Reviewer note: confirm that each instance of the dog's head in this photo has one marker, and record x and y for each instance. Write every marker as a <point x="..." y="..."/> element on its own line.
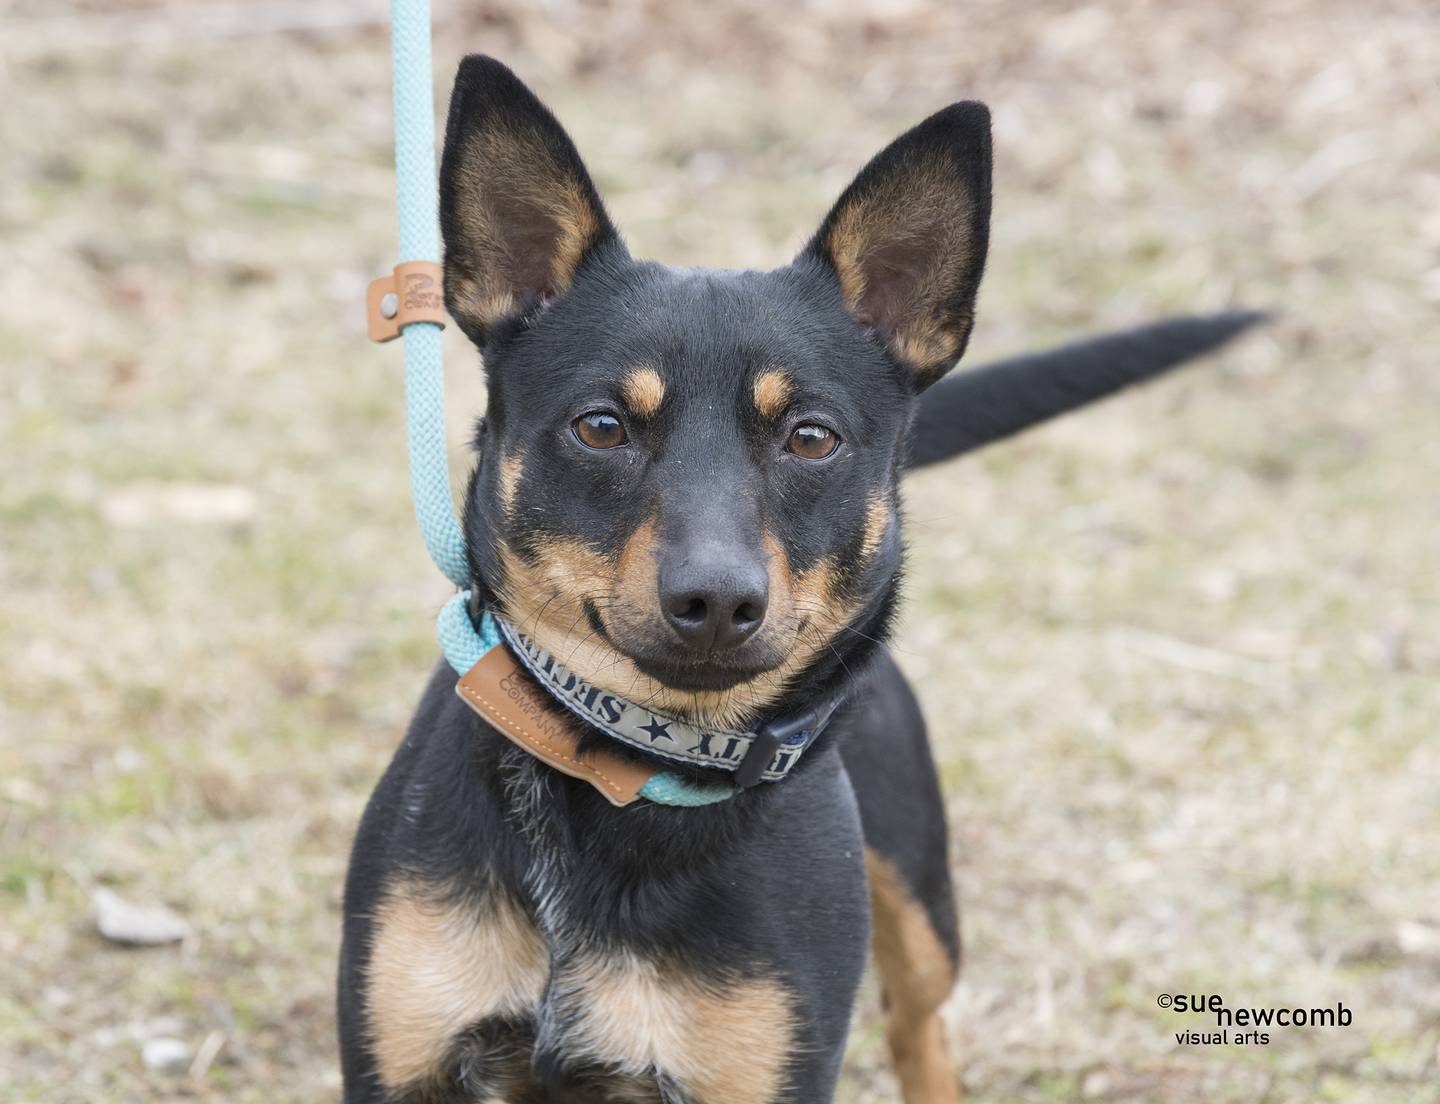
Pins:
<point x="687" y="486"/>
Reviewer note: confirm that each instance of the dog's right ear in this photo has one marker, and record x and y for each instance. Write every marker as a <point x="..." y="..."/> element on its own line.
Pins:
<point x="907" y="240"/>
<point x="518" y="212"/>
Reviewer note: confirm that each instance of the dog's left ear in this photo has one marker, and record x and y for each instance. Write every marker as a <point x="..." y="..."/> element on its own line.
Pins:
<point x="518" y="212"/>
<point x="907" y="239"/>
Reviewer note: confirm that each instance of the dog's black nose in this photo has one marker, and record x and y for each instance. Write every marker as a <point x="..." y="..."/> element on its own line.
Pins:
<point x="713" y="604"/>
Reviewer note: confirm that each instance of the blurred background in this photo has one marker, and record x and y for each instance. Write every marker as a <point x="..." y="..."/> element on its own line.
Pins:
<point x="1180" y="654"/>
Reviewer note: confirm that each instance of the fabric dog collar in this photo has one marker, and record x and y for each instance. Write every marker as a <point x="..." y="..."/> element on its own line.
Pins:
<point x="517" y="690"/>
<point x="765" y="754"/>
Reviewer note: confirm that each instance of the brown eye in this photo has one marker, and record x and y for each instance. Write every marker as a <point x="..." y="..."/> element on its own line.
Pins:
<point x="599" y="430"/>
<point x="812" y="442"/>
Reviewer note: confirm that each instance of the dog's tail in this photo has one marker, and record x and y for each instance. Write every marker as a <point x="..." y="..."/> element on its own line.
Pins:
<point x="975" y="408"/>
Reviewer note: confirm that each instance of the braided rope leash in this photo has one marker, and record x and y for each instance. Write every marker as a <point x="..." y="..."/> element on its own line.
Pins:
<point x="409" y="304"/>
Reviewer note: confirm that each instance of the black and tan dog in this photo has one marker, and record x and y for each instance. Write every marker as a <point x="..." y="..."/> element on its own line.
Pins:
<point x="687" y="494"/>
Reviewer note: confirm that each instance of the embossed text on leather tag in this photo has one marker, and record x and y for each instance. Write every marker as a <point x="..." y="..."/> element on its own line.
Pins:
<point x="499" y="690"/>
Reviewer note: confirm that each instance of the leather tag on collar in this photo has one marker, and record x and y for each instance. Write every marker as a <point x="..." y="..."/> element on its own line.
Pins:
<point x="499" y="690"/>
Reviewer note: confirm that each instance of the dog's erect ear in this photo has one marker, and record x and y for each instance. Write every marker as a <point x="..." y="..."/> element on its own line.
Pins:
<point x="517" y="209"/>
<point x="907" y="239"/>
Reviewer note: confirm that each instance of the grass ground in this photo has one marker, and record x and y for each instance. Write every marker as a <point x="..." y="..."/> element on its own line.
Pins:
<point x="1181" y="654"/>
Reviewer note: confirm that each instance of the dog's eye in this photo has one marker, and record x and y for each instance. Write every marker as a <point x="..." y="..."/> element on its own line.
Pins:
<point x="812" y="442"/>
<point x="599" y="430"/>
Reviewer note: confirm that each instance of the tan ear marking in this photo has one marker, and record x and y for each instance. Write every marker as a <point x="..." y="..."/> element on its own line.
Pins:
<point x="907" y="242"/>
<point x="771" y="391"/>
<point x="895" y="219"/>
<point x="643" y="391"/>
<point x="507" y="184"/>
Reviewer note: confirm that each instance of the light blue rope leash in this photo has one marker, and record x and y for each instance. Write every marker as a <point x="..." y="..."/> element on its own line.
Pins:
<point x="418" y="202"/>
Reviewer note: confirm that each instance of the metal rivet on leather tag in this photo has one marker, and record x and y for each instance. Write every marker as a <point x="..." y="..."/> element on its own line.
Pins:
<point x="390" y="305"/>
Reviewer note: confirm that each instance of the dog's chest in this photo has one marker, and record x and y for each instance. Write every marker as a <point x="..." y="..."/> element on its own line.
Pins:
<point x="472" y="993"/>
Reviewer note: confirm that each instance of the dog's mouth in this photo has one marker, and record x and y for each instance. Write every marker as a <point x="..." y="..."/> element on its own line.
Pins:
<point x="679" y="669"/>
<point x="612" y="645"/>
<point x="698" y="676"/>
<point x="629" y="649"/>
<point x="698" y="672"/>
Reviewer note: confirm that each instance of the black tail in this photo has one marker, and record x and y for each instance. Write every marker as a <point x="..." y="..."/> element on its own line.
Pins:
<point x="976" y="408"/>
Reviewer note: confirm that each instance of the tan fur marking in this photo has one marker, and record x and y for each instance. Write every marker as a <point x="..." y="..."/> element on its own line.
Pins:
<point x="637" y="571"/>
<point x="578" y="228"/>
<point x="820" y="611"/>
<point x="545" y="598"/>
<point x="920" y="206"/>
<point x="771" y="391"/>
<point x="917" y="976"/>
<point x="509" y="481"/>
<point x="932" y="345"/>
<point x="643" y="391"/>
<point x="724" y="1043"/>
<point x="437" y="966"/>
<point x="877" y="525"/>
<point x="505" y="173"/>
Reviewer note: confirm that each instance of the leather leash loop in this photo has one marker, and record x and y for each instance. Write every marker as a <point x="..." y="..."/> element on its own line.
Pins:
<point x="409" y="294"/>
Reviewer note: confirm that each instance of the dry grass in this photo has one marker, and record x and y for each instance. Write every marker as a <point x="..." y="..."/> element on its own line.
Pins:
<point x="1181" y="655"/>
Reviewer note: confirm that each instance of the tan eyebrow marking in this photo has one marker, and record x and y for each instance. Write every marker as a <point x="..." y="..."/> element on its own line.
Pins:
<point x="771" y="391"/>
<point x="643" y="391"/>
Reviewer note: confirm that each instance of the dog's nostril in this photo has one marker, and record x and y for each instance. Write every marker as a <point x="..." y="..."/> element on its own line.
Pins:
<point x="746" y="615"/>
<point x="694" y="612"/>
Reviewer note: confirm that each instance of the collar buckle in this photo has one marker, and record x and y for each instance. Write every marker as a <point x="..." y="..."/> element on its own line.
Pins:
<point x="769" y="738"/>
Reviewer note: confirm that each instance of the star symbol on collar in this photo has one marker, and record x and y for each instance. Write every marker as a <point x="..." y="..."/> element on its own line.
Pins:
<point x="655" y="730"/>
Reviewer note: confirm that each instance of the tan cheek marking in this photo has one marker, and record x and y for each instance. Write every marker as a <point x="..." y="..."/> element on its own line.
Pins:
<point x="509" y="481"/>
<point x="637" y="573"/>
<point x="436" y="967"/>
<point x="640" y="1016"/>
<point x="771" y="391"/>
<point x="544" y="597"/>
<point x="917" y="975"/>
<point x="809" y="597"/>
<point x="877" y="524"/>
<point x="549" y="590"/>
<point x="814" y="596"/>
<point x="643" y="391"/>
